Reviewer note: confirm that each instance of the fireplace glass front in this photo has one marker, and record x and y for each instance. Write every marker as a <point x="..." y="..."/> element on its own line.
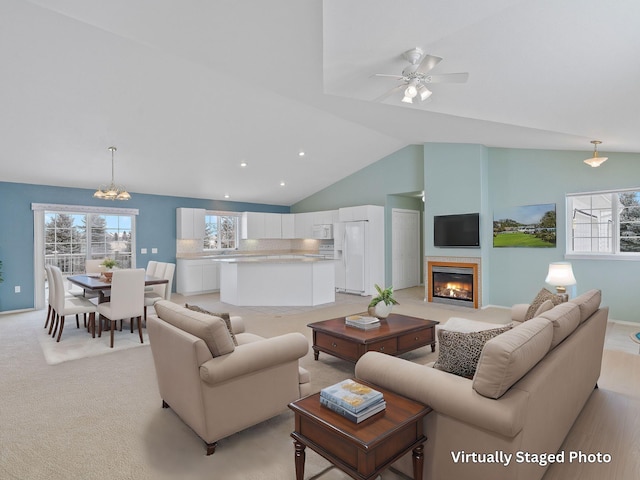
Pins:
<point x="453" y="286"/>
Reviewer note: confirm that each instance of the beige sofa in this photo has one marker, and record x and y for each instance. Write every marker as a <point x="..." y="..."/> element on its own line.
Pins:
<point x="216" y="387"/>
<point x="530" y="385"/>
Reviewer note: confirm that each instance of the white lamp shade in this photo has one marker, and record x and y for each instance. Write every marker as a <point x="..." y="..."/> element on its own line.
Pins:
<point x="560" y="274"/>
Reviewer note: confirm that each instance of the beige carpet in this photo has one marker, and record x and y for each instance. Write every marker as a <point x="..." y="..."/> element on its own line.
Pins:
<point x="76" y="343"/>
<point x="100" y="417"/>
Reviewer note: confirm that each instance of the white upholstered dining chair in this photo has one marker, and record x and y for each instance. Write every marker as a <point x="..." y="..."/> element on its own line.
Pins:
<point x="162" y="291"/>
<point x="64" y="305"/>
<point x="127" y="299"/>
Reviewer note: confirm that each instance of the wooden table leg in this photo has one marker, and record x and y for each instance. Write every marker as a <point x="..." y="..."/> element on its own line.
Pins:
<point x="299" y="459"/>
<point x="418" y="462"/>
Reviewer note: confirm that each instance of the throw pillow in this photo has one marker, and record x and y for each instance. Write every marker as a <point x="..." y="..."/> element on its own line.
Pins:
<point x="543" y="296"/>
<point x="223" y="316"/>
<point x="459" y="351"/>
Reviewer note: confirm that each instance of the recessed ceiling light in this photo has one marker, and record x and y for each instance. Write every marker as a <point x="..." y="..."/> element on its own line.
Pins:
<point x="301" y="153"/>
<point x="243" y="164"/>
<point x="282" y="184"/>
<point x="226" y="195"/>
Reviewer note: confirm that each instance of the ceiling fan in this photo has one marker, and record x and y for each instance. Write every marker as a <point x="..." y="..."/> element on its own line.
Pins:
<point x="415" y="77"/>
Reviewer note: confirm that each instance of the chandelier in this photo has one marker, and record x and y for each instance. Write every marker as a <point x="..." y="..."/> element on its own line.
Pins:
<point x="596" y="160"/>
<point x="112" y="191"/>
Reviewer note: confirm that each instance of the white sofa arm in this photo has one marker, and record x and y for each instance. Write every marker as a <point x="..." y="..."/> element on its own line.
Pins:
<point x="237" y="324"/>
<point x="519" y="311"/>
<point x="447" y="394"/>
<point x="255" y="356"/>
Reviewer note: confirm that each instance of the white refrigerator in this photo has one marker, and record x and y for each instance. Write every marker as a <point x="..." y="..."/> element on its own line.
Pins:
<point x="351" y="253"/>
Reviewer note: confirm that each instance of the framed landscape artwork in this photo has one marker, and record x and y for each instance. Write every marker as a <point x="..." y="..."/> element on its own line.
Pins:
<point x="531" y="226"/>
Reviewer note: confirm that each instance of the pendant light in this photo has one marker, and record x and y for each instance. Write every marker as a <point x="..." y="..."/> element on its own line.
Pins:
<point x="112" y="191"/>
<point x="595" y="161"/>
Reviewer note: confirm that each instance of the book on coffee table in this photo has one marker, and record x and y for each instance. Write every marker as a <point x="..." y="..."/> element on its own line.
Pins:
<point x="351" y="395"/>
<point x="370" y="411"/>
<point x="364" y="323"/>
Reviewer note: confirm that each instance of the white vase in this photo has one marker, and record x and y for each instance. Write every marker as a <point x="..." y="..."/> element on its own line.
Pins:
<point x="382" y="310"/>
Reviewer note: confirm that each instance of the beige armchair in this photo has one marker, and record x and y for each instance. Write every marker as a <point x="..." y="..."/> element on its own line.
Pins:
<point x="216" y="387"/>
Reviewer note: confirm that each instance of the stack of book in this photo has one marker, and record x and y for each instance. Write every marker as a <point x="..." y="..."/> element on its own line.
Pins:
<point x="364" y="323"/>
<point x="352" y="400"/>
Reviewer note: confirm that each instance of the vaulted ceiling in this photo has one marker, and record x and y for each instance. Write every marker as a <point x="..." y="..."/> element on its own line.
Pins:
<point x="189" y="89"/>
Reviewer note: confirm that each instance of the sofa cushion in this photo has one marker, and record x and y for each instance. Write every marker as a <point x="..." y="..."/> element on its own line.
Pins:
<point x="459" y="351"/>
<point x="224" y="316"/>
<point x="588" y="303"/>
<point x="212" y="330"/>
<point x="564" y="318"/>
<point x="507" y="358"/>
<point x="543" y="296"/>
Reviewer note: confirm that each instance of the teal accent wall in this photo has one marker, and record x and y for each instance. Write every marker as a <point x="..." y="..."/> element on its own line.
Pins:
<point x="455" y="182"/>
<point x="155" y="228"/>
<point x="400" y="172"/>
<point x="461" y="178"/>
<point x="526" y="177"/>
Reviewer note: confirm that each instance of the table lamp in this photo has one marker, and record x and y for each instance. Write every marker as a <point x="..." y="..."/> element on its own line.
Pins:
<point x="561" y="276"/>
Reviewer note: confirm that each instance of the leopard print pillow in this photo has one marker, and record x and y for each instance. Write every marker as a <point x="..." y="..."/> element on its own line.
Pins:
<point x="543" y="295"/>
<point x="459" y="352"/>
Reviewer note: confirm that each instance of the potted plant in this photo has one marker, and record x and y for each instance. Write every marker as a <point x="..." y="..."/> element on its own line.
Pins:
<point x="108" y="264"/>
<point x="381" y="305"/>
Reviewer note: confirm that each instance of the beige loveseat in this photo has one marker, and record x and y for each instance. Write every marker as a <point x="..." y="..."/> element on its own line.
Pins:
<point x="530" y="385"/>
<point x="214" y="386"/>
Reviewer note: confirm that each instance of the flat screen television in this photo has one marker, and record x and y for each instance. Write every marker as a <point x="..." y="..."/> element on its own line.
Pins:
<point x="461" y="230"/>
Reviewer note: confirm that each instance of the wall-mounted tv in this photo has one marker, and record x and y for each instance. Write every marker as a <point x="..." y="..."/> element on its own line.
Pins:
<point x="461" y="230"/>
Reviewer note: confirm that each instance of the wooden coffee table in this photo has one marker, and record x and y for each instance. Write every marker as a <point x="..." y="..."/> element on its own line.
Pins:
<point x="396" y="335"/>
<point x="361" y="450"/>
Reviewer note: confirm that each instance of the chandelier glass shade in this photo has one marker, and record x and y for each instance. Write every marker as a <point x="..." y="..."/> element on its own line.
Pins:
<point x="112" y="191"/>
<point x="596" y="160"/>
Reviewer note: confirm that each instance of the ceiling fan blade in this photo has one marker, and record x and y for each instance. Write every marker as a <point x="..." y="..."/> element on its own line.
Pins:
<point x="389" y="93"/>
<point x="447" y="78"/>
<point x="398" y="77"/>
<point x="427" y="63"/>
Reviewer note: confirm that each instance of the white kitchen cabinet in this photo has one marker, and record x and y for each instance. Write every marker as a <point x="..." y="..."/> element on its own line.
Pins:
<point x="256" y="225"/>
<point x="253" y="225"/>
<point x="190" y="223"/>
<point x="304" y="224"/>
<point x="360" y="212"/>
<point x="326" y="217"/>
<point x="288" y="225"/>
<point x="272" y="225"/>
<point x="197" y="276"/>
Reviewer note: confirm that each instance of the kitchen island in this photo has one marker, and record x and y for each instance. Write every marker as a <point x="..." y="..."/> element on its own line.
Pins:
<point x="277" y="281"/>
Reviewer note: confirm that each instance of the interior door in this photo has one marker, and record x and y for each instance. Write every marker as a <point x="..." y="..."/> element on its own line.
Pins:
<point x="406" y="248"/>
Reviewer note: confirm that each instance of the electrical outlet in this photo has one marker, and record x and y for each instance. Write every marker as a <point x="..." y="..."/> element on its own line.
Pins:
<point x="154" y="250"/>
<point x="143" y="251"/>
<point x="17" y="289"/>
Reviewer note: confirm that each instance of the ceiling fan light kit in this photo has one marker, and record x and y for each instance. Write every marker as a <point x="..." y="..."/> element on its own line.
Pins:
<point x="415" y="76"/>
<point x="596" y="160"/>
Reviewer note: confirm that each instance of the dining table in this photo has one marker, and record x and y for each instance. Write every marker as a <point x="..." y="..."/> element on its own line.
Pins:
<point x="99" y="284"/>
<point x="95" y="282"/>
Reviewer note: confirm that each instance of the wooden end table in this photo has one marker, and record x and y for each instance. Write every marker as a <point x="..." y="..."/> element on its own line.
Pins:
<point x="361" y="450"/>
<point x="397" y="334"/>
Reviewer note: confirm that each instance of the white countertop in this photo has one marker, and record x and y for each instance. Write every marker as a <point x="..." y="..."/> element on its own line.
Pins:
<point x="273" y="259"/>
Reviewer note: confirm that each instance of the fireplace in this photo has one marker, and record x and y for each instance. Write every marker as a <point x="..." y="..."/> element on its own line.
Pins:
<point x="453" y="283"/>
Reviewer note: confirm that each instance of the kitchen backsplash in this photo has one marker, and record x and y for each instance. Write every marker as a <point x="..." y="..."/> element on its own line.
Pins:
<point x="195" y="247"/>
